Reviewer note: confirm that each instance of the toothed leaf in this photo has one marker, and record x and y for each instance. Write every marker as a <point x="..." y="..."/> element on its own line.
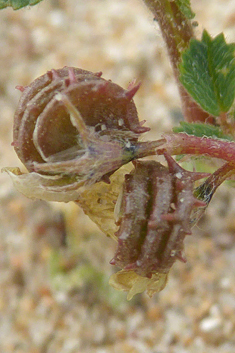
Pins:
<point x="17" y="4"/>
<point x="207" y="71"/>
<point x="185" y="8"/>
<point x="201" y="130"/>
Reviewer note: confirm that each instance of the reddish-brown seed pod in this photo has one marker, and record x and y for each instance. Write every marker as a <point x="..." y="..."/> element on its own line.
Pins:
<point x="74" y="128"/>
<point x="42" y="125"/>
<point x="155" y="217"/>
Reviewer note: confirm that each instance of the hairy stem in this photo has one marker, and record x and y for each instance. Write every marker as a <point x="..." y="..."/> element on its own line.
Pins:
<point x="182" y="143"/>
<point x="177" y="31"/>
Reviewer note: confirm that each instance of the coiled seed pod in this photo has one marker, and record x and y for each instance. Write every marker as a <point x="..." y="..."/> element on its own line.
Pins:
<point x="155" y="217"/>
<point x="74" y="128"/>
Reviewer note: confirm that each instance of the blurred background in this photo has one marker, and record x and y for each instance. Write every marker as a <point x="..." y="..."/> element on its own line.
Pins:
<point x="54" y="262"/>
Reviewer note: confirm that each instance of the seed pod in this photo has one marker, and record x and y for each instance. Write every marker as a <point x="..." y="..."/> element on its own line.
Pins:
<point x="74" y="128"/>
<point x="155" y="217"/>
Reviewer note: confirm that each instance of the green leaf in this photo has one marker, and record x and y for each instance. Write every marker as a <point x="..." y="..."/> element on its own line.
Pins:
<point x="17" y="4"/>
<point x="201" y="130"/>
<point x="207" y="71"/>
<point x="185" y="8"/>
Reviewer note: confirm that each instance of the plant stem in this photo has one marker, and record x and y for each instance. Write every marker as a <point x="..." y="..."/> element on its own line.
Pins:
<point x="182" y="143"/>
<point x="177" y="31"/>
<point x="207" y="189"/>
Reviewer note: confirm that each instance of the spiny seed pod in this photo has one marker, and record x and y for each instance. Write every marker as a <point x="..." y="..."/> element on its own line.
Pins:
<point x="155" y="217"/>
<point x="74" y="128"/>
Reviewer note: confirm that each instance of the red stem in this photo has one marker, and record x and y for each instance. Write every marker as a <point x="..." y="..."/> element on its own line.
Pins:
<point x="217" y="178"/>
<point x="182" y="143"/>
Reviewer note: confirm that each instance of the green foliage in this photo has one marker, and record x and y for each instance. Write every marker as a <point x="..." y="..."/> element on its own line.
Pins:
<point x="201" y="130"/>
<point x="207" y="72"/>
<point x="17" y="4"/>
<point x="185" y="8"/>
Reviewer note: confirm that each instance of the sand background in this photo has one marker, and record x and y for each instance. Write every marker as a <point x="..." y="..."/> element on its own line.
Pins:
<point x="56" y="298"/>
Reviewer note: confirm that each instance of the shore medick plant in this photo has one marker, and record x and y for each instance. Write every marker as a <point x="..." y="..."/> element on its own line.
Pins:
<point x="78" y="135"/>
